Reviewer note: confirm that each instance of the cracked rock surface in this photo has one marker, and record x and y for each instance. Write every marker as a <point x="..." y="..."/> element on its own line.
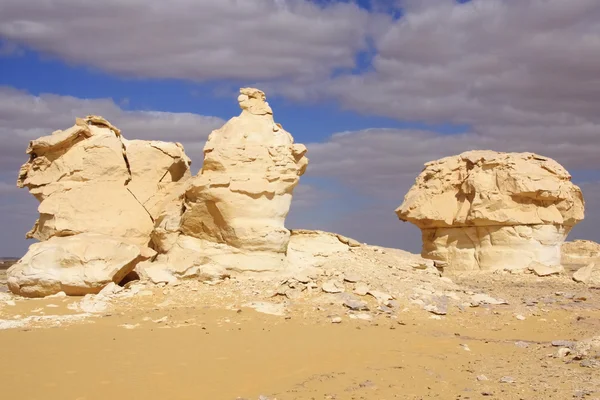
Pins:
<point x="90" y="180"/>
<point x="485" y="210"/>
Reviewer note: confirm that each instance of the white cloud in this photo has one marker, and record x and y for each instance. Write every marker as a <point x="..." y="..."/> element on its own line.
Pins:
<point x="195" y="39"/>
<point x="24" y="117"/>
<point x="485" y="62"/>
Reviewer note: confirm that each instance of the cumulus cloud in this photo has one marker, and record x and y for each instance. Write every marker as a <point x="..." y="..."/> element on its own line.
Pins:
<point x="485" y="62"/>
<point x="193" y="39"/>
<point x="24" y="117"/>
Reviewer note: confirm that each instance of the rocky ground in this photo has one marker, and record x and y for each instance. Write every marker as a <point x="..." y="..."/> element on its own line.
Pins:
<point x="378" y="329"/>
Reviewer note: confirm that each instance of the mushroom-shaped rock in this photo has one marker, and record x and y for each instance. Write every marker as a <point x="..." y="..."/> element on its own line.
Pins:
<point x="484" y="210"/>
<point x="232" y="213"/>
<point x="91" y="180"/>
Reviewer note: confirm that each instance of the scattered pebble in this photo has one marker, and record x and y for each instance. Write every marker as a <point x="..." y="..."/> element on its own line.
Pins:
<point x="332" y="286"/>
<point x="507" y="379"/>
<point x="563" y="352"/>
<point x="361" y="289"/>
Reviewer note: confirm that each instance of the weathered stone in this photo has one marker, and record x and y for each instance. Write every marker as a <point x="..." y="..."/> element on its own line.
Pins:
<point x="232" y="213"/>
<point x="484" y="210"/>
<point x="76" y="265"/>
<point x="590" y="275"/>
<point x="90" y="180"/>
<point x="545" y="270"/>
<point x="333" y="286"/>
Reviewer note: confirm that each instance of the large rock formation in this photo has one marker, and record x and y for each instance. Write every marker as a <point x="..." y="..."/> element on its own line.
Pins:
<point x="76" y="265"/>
<point x="231" y="216"/>
<point x="483" y="210"/>
<point x="90" y="180"/>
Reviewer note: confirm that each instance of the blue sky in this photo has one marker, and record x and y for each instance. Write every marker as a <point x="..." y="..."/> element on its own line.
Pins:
<point x="407" y="81"/>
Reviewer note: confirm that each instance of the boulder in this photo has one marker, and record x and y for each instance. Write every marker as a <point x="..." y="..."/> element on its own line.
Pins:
<point x="484" y="210"/>
<point x="77" y="265"/>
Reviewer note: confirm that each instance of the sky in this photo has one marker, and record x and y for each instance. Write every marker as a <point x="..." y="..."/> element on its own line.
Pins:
<point x="373" y="88"/>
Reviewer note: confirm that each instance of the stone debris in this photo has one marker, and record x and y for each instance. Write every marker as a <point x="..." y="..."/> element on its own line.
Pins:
<point x="439" y="305"/>
<point x="590" y="275"/>
<point x="267" y="308"/>
<point x="480" y="299"/>
<point x="545" y="270"/>
<point x="563" y="352"/>
<point x="563" y="343"/>
<point x="507" y="379"/>
<point x="355" y="304"/>
<point x="361" y="289"/>
<point x="361" y="316"/>
<point x="336" y="320"/>
<point x="351" y="278"/>
<point x="333" y="286"/>
<point x="381" y="297"/>
<point x="484" y="210"/>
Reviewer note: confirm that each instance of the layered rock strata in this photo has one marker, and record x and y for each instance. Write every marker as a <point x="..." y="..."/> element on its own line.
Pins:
<point x="484" y="210"/>
<point x="231" y="215"/>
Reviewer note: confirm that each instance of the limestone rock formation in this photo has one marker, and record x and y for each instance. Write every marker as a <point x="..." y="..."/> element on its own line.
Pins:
<point x="580" y="252"/>
<point x="76" y="265"/>
<point x="232" y="213"/>
<point x="484" y="210"/>
<point x="90" y="180"/>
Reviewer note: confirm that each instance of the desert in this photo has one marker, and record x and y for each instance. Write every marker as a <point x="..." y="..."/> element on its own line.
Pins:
<point x="300" y="199"/>
<point x="154" y="282"/>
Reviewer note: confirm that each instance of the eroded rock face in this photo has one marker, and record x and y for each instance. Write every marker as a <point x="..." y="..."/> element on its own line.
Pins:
<point x="484" y="210"/>
<point x="232" y="213"/>
<point x="76" y="265"/>
<point x="90" y="180"/>
<point x="580" y="252"/>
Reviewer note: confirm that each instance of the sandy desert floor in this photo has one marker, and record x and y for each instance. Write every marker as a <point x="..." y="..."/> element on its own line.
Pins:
<point x="198" y="341"/>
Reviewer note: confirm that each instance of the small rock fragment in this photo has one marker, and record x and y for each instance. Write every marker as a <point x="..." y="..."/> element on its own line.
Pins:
<point x="563" y="352"/>
<point x="589" y="274"/>
<point x="507" y="379"/>
<point x="382" y="298"/>
<point x="336" y="320"/>
<point x="361" y="289"/>
<point x="563" y="343"/>
<point x="355" y="305"/>
<point x="545" y="270"/>
<point x="332" y="286"/>
<point x="351" y="278"/>
<point x="479" y="299"/>
<point x="481" y="378"/>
